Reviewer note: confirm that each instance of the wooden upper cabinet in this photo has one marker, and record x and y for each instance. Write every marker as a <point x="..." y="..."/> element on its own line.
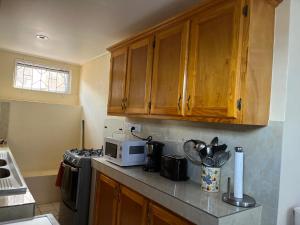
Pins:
<point x="132" y="209"/>
<point x="139" y="71"/>
<point x="212" y="63"/>
<point x="169" y="66"/>
<point x="161" y="216"/>
<point x="212" y="84"/>
<point x="106" y="200"/>
<point x="118" y="66"/>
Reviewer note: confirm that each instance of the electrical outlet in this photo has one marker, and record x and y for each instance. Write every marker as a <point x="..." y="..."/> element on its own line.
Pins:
<point x="137" y="127"/>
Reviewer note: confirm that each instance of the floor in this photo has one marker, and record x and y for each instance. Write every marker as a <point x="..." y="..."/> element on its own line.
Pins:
<point x="52" y="208"/>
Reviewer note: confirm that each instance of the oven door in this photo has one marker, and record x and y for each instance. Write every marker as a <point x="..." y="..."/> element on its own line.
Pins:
<point x="69" y="186"/>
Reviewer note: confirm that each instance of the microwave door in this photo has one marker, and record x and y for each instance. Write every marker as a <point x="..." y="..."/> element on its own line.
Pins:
<point x="111" y="149"/>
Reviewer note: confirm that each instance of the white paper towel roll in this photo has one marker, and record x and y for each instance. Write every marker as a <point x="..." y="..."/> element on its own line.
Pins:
<point x="297" y="216"/>
<point x="238" y="172"/>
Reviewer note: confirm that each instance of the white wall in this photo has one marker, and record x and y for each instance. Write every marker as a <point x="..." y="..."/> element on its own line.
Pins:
<point x="8" y="92"/>
<point x="280" y="62"/>
<point x="94" y="84"/>
<point x="289" y="195"/>
<point x="39" y="134"/>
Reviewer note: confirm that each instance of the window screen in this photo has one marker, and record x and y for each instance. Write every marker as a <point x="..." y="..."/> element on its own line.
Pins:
<point x="41" y="78"/>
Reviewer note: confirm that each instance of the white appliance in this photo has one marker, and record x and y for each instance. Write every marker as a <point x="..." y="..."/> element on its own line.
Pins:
<point x="124" y="152"/>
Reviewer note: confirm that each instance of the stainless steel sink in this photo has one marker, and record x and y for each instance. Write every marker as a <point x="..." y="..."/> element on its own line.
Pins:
<point x="3" y="162"/>
<point x="4" y="173"/>
<point x="11" y="180"/>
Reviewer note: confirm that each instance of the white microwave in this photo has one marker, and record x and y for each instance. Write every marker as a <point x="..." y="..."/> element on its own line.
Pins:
<point x="124" y="152"/>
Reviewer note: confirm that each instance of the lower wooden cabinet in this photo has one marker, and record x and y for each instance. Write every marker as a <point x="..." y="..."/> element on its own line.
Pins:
<point x="132" y="209"/>
<point x="106" y="201"/>
<point x="115" y="204"/>
<point x="160" y="216"/>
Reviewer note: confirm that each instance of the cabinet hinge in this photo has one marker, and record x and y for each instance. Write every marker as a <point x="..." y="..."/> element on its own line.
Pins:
<point x="246" y="10"/>
<point x="149" y="105"/>
<point x="153" y="44"/>
<point x="239" y="104"/>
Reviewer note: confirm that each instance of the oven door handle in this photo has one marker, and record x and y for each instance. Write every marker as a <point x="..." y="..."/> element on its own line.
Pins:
<point x="73" y="169"/>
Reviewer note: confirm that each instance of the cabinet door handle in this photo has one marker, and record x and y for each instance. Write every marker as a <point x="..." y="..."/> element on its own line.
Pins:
<point x="188" y="103"/>
<point x="125" y="103"/>
<point x="179" y="103"/>
<point x="122" y="105"/>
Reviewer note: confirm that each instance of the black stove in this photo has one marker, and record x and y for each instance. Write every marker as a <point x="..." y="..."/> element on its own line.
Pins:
<point x="75" y="190"/>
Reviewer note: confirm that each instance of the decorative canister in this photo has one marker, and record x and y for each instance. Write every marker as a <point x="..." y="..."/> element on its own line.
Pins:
<point x="210" y="179"/>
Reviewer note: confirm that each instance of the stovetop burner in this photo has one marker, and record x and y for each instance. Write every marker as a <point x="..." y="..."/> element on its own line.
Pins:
<point x="87" y="152"/>
<point x="79" y="157"/>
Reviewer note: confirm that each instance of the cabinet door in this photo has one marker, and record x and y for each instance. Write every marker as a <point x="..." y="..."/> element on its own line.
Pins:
<point x="132" y="209"/>
<point x="117" y="81"/>
<point x="106" y="199"/>
<point x="213" y="62"/>
<point x="161" y="216"/>
<point x="139" y="71"/>
<point x="170" y="56"/>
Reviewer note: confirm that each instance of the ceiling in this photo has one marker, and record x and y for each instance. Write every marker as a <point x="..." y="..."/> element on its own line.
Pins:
<point x="78" y="30"/>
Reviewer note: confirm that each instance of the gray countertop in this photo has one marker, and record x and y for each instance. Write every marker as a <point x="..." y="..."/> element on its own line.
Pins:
<point x="47" y="219"/>
<point x="16" y="200"/>
<point x="185" y="198"/>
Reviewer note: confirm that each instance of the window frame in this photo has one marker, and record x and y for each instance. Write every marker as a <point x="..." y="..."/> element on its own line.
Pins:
<point x="46" y="67"/>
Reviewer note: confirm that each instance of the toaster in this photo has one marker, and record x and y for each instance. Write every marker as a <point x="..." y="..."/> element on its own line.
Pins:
<point x="174" y="167"/>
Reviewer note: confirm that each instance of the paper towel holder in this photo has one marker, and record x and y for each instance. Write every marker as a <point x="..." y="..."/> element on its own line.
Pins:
<point x="245" y="202"/>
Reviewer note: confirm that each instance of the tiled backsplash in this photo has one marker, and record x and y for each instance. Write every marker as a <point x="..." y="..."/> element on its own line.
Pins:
<point x="4" y="116"/>
<point x="262" y="146"/>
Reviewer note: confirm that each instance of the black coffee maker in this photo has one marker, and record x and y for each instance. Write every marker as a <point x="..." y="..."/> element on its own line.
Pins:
<point x="153" y="151"/>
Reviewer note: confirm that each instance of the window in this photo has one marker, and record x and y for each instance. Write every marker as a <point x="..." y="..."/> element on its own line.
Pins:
<point x="41" y="78"/>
